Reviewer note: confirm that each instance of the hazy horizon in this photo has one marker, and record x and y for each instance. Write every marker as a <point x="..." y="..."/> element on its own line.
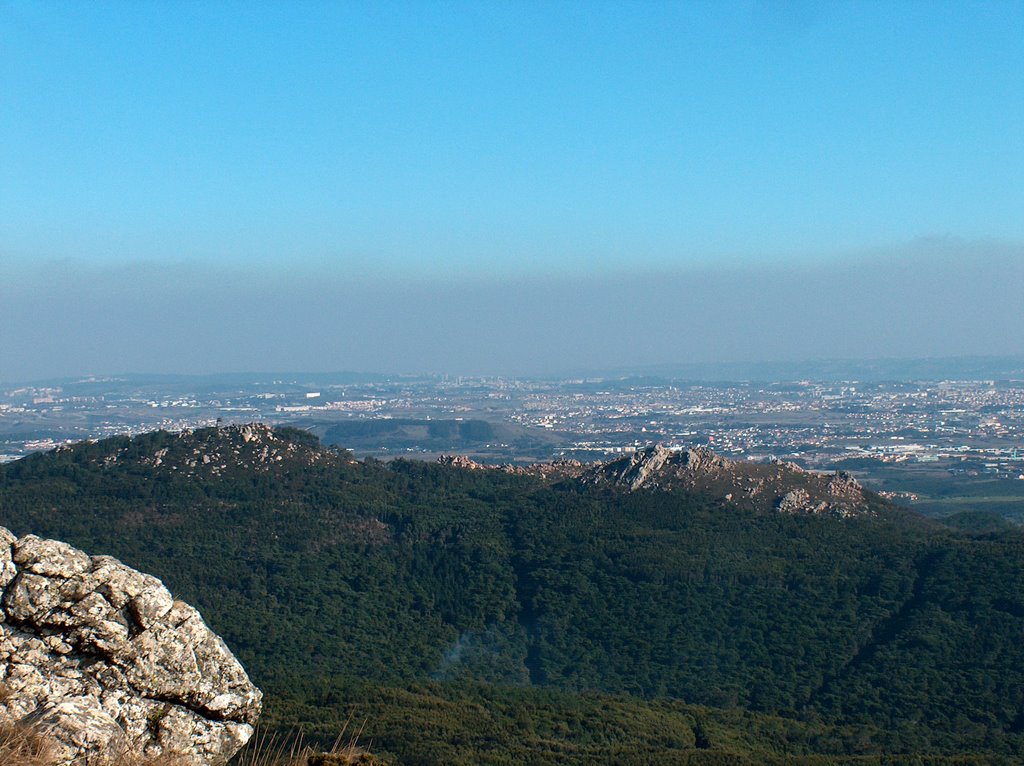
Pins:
<point x="928" y="299"/>
<point x="506" y="188"/>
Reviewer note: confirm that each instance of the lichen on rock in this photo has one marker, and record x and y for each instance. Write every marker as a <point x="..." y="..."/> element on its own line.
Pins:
<point x="104" y="659"/>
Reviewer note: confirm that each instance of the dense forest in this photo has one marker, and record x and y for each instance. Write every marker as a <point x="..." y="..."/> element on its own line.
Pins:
<point x="475" y="616"/>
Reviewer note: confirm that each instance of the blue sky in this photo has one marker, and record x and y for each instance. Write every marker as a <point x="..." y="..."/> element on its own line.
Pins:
<point x="445" y="142"/>
<point x="441" y="135"/>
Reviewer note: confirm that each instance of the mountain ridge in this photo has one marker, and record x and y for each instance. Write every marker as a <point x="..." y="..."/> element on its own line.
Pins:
<point x="409" y="572"/>
<point x="775" y="486"/>
<point x="211" y="450"/>
<point x="762" y="487"/>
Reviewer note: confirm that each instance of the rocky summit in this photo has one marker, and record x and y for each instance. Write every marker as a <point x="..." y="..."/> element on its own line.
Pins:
<point x="210" y="452"/>
<point x="104" y="660"/>
<point x="777" y="485"/>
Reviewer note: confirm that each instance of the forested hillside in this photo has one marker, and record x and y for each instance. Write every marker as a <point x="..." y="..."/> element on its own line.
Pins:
<point x="471" y="611"/>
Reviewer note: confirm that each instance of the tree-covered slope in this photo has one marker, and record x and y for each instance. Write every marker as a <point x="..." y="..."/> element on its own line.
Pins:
<point x="315" y="566"/>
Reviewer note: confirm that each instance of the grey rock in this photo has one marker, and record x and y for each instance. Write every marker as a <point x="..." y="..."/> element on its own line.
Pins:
<point x="658" y="466"/>
<point x="51" y="558"/>
<point x="776" y="486"/>
<point x="106" y="660"/>
<point x="79" y="725"/>
<point x="795" y="501"/>
<point x="7" y="567"/>
<point x="461" y="461"/>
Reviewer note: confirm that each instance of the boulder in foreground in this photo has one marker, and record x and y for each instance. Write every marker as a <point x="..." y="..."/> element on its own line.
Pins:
<point x="103" y="659"/>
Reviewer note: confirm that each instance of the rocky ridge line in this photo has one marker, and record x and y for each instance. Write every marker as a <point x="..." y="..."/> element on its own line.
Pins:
<point x="776" y="486"/>
<point x="215" y="451"/>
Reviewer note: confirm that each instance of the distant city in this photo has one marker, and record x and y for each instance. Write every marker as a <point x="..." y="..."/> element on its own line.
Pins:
<point x="814" y="423"/>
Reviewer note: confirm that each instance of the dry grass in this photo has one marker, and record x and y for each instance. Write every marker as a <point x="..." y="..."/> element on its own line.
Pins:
<point x="27" y="746"/>
<point x="20" y="746"/>
<point x="270" y="750"/>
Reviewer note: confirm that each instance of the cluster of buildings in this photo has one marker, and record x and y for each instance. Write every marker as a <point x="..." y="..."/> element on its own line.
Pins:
<point x="815" y="423"/>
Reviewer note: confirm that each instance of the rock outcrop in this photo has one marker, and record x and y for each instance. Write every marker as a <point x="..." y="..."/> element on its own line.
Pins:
<point x="462" y="461"/>
<point x="212" y="452"/>
<point x="657" y="465"/>
<point x="552" y="471"/>
<point x="775" y="486"/>
<point x="105" y="660"/>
